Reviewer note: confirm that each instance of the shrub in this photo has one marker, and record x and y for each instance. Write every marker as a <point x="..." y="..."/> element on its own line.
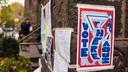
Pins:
<point x="9" y="46"/>
<point x="13" y="64"/>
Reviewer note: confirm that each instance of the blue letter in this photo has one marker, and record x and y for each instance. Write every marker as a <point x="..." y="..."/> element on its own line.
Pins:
<point x="106" y="44"/>
<point x="84" y="42"/>
<point x="84" y="52"/>
<point x="105" y="54"/>
<point x="106" y="49"/>
<point x="85" y="34"/>
<point x="93" y="48"/>
<point x="99" y="33"/>
<point x="95" y="41"/>
<point x="105" y="60"/>
<point x="94" y="56"/>
<point x="85" y="26"/>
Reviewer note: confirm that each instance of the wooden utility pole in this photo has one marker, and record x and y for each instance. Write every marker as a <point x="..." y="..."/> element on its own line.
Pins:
<point x="123" y="8"/>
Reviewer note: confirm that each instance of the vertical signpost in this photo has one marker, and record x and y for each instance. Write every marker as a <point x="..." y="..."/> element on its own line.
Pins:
<point x="95" y="37"/>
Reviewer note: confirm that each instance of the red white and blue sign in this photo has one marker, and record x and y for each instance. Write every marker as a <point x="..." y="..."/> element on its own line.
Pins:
<point x="95" y="37"/>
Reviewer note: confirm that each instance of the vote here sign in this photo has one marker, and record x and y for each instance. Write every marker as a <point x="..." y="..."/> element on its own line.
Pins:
<point x="95" y="37"/>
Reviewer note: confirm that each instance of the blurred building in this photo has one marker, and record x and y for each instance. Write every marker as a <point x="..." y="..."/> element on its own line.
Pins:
<point x="32" y="11"/>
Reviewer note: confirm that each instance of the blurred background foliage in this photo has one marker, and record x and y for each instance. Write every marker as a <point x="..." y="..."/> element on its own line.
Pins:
<point x="12" y="14"/>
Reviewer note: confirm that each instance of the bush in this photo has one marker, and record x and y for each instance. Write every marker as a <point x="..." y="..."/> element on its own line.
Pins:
<point x="13" y="64"/>
<point x="9" y="46"/>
